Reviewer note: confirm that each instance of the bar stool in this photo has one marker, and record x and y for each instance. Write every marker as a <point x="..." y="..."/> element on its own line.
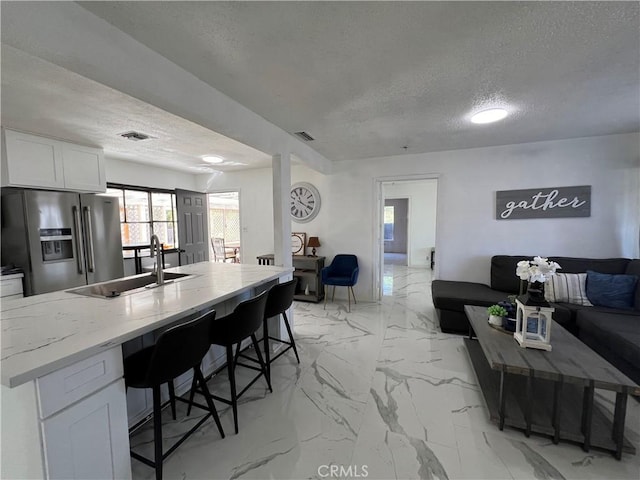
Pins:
<point x="279" y="300"/>
<point x="177" y="350"/>
<point x="231" y="330"/>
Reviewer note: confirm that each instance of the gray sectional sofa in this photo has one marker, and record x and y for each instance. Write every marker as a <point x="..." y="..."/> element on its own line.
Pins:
<point x="613" y="333"/>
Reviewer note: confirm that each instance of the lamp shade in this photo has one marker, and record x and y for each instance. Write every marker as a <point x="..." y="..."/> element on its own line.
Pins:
<point x="313" y="242"/>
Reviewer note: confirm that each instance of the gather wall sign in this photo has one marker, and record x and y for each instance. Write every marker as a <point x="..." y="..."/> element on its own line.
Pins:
<point x="553" y="202"/>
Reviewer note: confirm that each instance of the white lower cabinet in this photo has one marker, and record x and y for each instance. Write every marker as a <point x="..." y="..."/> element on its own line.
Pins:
<point x="68" y="424"/>
<point x="11" y="286"/>
<point x="89" y="440"/>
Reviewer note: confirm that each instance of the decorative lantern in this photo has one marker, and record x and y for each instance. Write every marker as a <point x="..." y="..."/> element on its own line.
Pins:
<point x="533" y="323"/>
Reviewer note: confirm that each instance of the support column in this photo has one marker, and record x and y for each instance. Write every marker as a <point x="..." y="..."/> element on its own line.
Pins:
<point x="281" y="209"/>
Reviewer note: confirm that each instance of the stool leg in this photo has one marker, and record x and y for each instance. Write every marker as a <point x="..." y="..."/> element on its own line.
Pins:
<point x="232" y="381"/>
<point x="235" y="358"/>
<point x="262" y="365"/>
<point x="267" y="353"/>
<point x="293" y="342"/>
<point x="157" y="431"/>
<point x="197" y="373"/>
<point x="172" y="398"/>
<point x="191" y="394"/>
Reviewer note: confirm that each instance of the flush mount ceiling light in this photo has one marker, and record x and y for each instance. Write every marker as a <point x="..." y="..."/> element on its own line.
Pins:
<point x="489" y="116"/>
<point x="213" y="159"/>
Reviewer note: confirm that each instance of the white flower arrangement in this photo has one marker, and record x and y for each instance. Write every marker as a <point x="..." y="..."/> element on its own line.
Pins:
<point x="537" y="270"/>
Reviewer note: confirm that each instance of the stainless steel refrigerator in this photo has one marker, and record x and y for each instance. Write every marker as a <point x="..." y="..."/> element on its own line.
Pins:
<point x="61" y="239"/>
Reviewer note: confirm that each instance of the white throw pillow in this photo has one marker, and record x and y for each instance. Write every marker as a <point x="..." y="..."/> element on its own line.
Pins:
<point x="567" y="287"/>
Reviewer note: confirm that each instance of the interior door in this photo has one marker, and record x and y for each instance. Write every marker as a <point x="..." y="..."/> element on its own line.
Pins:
<point x="193" y="233"/>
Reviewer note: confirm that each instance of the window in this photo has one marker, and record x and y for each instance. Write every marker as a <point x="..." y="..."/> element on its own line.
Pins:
<point x="144" y="212"/>
<point x="388" y="223"/>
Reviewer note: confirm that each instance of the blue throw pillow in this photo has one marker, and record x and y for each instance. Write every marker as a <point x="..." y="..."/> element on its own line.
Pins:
<point x="613" y="291"/>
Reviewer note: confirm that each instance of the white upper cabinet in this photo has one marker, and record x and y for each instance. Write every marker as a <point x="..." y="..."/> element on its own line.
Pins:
<point x="83" y="168"/>
<point x="40" y="162"/>
<point x="28" y="160"/>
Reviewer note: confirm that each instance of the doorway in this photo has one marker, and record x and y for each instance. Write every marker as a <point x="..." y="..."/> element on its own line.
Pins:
<point x="396" y="234"/>
<point x="224" y="220"/>
<point x="406" y="226"/>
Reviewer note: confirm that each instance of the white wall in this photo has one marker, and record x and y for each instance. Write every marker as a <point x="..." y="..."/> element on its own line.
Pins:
<point x="467" y="232"/>
<point x="256" y="206"/>
<point x="130" y="173"/>
<point x="422" y="197"/>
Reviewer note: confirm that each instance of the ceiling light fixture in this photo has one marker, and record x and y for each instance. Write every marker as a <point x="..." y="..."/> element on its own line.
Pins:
<point x="489" y="116"/>
<point x="213" y="159"/>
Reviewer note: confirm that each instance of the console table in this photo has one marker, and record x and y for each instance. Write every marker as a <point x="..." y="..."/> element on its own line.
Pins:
<point x="307" y="270"/>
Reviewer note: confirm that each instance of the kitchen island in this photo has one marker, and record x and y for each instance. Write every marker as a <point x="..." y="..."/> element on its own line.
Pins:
<point x="64" y="411"/>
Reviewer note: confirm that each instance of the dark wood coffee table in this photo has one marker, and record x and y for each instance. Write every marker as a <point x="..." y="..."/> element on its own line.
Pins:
<point x="542" y="392"/>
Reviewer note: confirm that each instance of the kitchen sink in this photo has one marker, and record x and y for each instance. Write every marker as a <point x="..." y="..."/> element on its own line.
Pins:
<point x="115" y="288"/>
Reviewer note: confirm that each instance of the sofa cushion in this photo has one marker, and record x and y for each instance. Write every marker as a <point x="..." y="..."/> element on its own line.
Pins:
<point x="503" y="273"/>
<point x="452" y="295"/>
<point x="564" y="314"/>
<point x="503" y="268"/>
<point x="614" y="291"/>
<point x="581" y="265"/>
<point x="619" y="333"/>
<point x="567" y="287"/>
<point x="633" y="268"/>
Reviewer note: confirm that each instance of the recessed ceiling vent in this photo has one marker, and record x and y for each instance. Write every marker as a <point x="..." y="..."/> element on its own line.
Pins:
<point x="304" y="136"/>
<point x="135" y="136"/>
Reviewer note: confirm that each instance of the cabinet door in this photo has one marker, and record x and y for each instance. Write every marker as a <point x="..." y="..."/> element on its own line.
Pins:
<point x="11" y="287"/>
<point x="83" y="168"/>
<point x="31" y="161"/>
<point x="89" y="439"/>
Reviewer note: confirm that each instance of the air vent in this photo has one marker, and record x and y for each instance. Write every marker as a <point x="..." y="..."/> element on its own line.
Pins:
<point x="304" y="136"/>
<point x="135" y="136"/>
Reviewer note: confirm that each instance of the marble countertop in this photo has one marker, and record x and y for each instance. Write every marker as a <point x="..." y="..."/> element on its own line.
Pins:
<point x="43" y="333"/>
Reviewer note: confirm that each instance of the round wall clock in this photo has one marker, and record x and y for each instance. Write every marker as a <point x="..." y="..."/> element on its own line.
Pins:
<point x="305" y="202"/>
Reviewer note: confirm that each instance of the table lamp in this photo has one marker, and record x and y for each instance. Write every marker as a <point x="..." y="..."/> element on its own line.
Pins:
<point x="313" y="243"/>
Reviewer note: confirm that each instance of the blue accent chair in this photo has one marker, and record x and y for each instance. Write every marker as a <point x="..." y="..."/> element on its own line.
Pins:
<point x="342" y="272"/>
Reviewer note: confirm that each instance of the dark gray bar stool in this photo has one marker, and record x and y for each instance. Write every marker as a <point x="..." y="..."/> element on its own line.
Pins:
<point x="231" y="330"/>
<point x="278" y="302"/>
<point x="176" y="351"/>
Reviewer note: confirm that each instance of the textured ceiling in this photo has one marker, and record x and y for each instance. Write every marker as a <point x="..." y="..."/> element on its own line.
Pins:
<point x="40" y="97"/>
<point x="368" y="78"/>
<point x="365" y="79"/>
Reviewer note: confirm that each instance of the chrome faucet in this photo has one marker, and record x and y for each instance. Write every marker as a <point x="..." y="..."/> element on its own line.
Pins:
<point x="156" y="254"/>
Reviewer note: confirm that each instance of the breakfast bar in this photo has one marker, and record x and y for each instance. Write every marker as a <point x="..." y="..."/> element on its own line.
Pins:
<point x="61" y="364"/>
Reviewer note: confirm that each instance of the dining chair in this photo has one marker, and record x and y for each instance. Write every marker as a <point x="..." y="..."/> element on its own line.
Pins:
<point x="220" y="252"/>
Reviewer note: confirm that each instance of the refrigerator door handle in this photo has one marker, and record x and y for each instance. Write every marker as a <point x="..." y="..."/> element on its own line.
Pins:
<point x="79" y="253"/>
<point x="89" y="242"/>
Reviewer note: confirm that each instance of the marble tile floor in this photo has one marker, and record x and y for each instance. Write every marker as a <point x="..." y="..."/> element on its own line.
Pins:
<point x="380" y="393"/>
